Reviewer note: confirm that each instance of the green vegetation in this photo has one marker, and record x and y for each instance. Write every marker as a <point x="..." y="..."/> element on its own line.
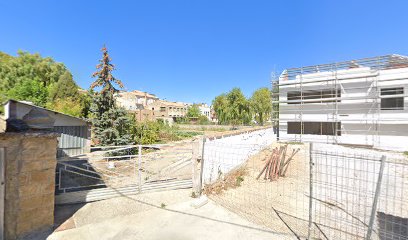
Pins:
<point x="42" y="81"/>
<point x="111" y="124"/>
<point x="261" y="105"/>
<point x="406" y="153"/>
<point x="234" y="108"/>
<point x="193" y="111"/>
<point x="239" y="180"/>
<point x="158" y="132"/>
<point x="163" y="205"/>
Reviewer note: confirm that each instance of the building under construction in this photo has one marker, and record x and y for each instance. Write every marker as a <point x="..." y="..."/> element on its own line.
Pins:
<point x="358" y="102"/>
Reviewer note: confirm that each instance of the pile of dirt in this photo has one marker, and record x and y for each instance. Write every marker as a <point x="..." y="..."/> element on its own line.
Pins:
<point x="231" y="180"/>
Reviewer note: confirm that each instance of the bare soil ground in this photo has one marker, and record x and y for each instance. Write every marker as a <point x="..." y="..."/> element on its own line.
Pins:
<point x="268" y="202"/>
<point x="344" y="183"/>
<point x="172" y="161"/>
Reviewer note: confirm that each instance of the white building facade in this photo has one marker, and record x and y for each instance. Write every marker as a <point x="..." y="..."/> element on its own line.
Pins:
<point x="135" y="100"/>
<point x="361" y="102"/>
<point x="205" y="110"/>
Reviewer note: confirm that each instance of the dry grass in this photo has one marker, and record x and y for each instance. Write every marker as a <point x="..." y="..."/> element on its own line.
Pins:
<point x="231" y="180"/>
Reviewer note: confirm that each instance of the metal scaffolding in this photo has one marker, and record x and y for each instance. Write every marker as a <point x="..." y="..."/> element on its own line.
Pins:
<point x="348" y="92"/>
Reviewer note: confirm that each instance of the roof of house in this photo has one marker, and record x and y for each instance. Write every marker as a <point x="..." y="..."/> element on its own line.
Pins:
<point x="391" y="61"/>
<point x="137" y="93"/>
<point x="168" y="103"/>
<point x="55" y="112"/>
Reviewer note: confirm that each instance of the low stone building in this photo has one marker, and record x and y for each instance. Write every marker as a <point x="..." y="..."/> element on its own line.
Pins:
<point x="75" y="132"/>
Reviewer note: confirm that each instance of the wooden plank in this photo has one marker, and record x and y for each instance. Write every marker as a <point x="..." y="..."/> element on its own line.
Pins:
<point x="2" y="191"/>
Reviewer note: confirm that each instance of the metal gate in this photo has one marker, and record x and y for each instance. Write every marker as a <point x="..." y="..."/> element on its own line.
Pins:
<point x="124" y="170"/>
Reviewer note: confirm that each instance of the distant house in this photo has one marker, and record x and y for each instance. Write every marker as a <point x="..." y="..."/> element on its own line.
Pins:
<point x="205" y="110"/>
<point x="135" y="100"/>
<point x="75" y="132"/>
<point x="168" y="111"/>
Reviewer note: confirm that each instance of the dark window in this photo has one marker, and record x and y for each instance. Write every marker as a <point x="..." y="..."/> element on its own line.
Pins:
<point x="294" y="128"/>
<point x="392" y="91"/>
<point x="162" y="109"/>
<point x="321" y="96"/>
<point x="394" y="103"/>
<point x="315" y="128"/>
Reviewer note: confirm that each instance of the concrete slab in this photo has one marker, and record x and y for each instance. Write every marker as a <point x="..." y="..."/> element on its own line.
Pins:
<point x="180" y="221"/>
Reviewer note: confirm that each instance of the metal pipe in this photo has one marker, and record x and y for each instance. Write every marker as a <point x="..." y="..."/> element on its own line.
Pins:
<point x="375" y="201"/>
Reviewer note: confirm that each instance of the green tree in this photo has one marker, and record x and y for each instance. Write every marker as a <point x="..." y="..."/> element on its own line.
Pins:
<point x="275" y="103"/>
<point x="239" y="111"/>
<point x="28" y="67"/>
<point x="68" y="106"/>
<point x="111" y="124"/>
<point x="193" y="111"/>
<point x="31" y="90"/>
<point x="220" y="106"/>
<point x="261" y="103"/>
<point x="232" y="108"/>
<point x="40" y="80"/>
<point x="64" y="88"/>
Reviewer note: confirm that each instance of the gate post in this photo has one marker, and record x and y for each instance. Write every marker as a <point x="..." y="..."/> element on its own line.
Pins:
<point x="376" y="196"/>
<point x="202" y="167"/>
<point x="139" y="166"/>
<point x="309" y="231"/>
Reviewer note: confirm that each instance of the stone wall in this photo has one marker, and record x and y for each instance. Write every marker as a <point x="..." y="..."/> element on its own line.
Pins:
<point x="30" y="160"/>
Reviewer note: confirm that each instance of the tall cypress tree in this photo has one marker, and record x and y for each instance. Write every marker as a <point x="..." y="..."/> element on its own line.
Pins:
<point x="111" y="125"/>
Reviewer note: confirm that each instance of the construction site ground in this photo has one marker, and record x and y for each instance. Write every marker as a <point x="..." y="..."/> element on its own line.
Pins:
<point x="160" y="215"/>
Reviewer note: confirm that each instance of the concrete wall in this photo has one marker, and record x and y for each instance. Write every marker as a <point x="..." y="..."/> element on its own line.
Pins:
<point x="30" y="160"/>
<point x="224" y="153"/>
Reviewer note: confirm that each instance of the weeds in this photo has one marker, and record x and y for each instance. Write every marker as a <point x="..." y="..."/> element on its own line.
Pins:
<point x="239" y="180"/>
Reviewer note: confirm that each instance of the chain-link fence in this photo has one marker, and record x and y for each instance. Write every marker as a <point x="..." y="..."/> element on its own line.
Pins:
<point x="316" y="192"/>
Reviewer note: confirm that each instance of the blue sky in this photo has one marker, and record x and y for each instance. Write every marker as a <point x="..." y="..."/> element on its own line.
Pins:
<point x="194" y="50"/>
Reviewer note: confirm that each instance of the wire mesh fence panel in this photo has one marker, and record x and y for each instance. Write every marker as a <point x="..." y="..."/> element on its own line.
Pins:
<point x="391" y="220"/>
<point x="355" y="193"/>
<point x="351" y="186"/>
<point x="265" y="182"/>
<point x="344" y="187"/>
<point x="173" y="162"/>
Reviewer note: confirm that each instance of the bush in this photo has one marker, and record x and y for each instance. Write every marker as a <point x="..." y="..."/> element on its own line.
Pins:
<point x="159" y="131"/>
<point x="203" y="120"/>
